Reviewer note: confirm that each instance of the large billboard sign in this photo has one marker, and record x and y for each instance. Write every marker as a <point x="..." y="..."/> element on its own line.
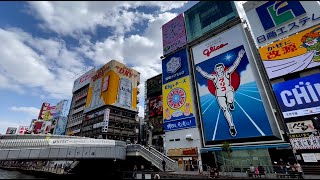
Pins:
<point x="206" y="16"/>
<point x="154" y="86"/>
<point x="83" y="80"/>
<point x="155" y="106"/>
<point x="174" y="34"/>
<point x="59" y="109"/>
<point x="11" y="130"/>
<point x="228" y="90"/>
<point x="273" y="20"/>
<point x="293" y="54"/>
<point x="311" y="142"/>
<point x="113" y="84"/>
<point x="45" y="106"/>
<point x="299" y="97"/>
<point x="61" y="126"/>
<point x="176" y="93"/>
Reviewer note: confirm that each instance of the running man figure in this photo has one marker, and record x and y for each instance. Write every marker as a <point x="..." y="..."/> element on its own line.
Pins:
<point x="224" y="90"/>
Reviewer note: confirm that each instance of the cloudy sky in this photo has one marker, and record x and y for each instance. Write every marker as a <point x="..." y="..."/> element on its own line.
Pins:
<point x="45" y="46"/>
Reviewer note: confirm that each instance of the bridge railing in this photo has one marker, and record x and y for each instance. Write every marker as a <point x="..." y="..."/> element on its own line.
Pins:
<point x="172" y="164"/>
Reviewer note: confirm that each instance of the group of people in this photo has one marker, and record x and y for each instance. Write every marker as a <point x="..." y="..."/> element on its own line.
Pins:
<point x="256" y="171"/>
<point x="287" y="168"/>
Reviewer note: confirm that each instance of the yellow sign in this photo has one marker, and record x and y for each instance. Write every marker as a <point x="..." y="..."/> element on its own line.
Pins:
<point x="177" y="101"/>
<point x="295" y="53"/>
<point x="113" y="84"/>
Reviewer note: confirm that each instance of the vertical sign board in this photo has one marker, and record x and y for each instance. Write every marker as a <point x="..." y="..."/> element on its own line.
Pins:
<point x="299" y="97"/>
<point x="293" y="54"/>
<point x="274" y="20"/>
<point x="174" y="34"/>
<point x="176" y="93"/>
<point x="61" y="126"/>
<point x="11" y="130"/>
<point x="230" y="102"/>
<point x="106" y="121"/>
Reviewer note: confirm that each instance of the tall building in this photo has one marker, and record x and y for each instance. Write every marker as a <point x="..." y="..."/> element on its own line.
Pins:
<point x="78" y="102"/>
<point x="106" y="107"/>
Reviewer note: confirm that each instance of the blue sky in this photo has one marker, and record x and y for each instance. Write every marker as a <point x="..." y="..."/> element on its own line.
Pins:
<point x="47" y="45"/>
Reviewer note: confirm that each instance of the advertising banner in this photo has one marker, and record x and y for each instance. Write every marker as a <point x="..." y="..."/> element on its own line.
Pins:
<point x="230" y="102"/>
<point x="46" y="127"/>
<point x="155" y="106"/>
<point x="23" y="129"/>
<point x="309" y="157"/>
<point x="293" y="54"/>
<point x="178" y="105"/>
<point x="43" y="110"/>
<point x="83" y="80"/>
<point x="61" y="126"/>
<point x="11" y="130"/>
<point x="174" y="34"/>
<point x="113" y="84"/>
<point x="274" y="20"/>
<point x="175" y="66"/>
<point x="300" y="127"/>
<point x="312" y="142"/>
<point x="59" y="109"/>
<point x="157" y="123"/>
<point x="37" y="127"/>
<point x="299" y="97"/>
<point x="154" y="86"/>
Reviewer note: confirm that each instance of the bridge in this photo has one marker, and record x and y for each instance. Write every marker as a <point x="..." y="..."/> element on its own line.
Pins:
<point x="55" y="147"/>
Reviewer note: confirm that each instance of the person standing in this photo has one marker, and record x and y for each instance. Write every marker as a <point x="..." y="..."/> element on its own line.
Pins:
<point x="261" y="170"/>
<point x="164" y="165"/>
<point x="251" y="170"/>
<point x="298" y="168"/>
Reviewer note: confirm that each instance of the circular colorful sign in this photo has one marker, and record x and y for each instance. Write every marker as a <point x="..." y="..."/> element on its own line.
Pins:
<point x="176" y="98"/>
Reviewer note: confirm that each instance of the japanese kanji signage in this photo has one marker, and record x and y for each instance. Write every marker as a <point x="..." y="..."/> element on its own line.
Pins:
<point x="274" y="20"/>
<point x="293" y="54"/>
<point x="312" y="142"/>
<point x="300" y="127"/>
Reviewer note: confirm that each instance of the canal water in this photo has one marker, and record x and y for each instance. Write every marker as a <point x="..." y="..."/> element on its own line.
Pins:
<point x="6" y="174"/>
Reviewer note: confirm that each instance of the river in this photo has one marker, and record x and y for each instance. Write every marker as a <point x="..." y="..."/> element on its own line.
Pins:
<point x="6" y="174"/>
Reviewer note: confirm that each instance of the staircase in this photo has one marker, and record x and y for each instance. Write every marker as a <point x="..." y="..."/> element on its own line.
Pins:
<point x="154" y="156"/>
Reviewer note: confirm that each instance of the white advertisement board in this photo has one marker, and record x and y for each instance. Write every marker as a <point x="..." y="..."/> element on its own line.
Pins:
<point x="68" y="142"/>
<point x="83" y="80"/>
<point x="309" y="157"/>
<point x="300" y="127"/>
<point x="106" y="121"/>
<point x="274" y="20"/>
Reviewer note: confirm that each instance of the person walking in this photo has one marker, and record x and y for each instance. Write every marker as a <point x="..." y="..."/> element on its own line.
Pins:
<point x="164" y="165"/>
<point x="261" y="170"/>
<point x="251" y="170"/>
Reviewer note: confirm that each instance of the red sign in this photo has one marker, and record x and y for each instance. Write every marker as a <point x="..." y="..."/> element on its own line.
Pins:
<point x="125" y="71"/>
<point x="207" y="52"/>
<point x="43" y="109"/>
<point x="23" y="129"/>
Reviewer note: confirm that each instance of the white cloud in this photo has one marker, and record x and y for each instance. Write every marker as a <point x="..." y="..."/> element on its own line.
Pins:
<point x="70" y="18"/>
<point x="203" y="90"/>
<point x="32" y="111"/>
<point x="246" y="76"/>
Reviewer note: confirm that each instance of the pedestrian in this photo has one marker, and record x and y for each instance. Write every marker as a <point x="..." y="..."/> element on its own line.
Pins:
<point x="164" y="165"/>
<point x="261" y="170"/>
<point x="298" y="168"/>
<point x="251" y="170"/>
<point x="256" y="172"/>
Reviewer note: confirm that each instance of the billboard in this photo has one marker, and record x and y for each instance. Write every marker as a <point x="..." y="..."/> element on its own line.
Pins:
<point x="300" y="127"/>
<point x="43" y="110"/>
<point x="83" y="80"/>
<point x="11" y="130"/>
<point x="228" y="90"/>
<point x="274" y="20"/>
<point x="105" y="124"/>
<point x="208" y="15"/>
<point x="175" y="66"/>
<point x="293" y="54"/>
<point x="154" y="86"/>
<point x="113" y="84"/>
<point x="59" y="109"/>
<point x="155" y="106"/>
<point x="46" y="127"/>
<point x="23" y="129"/>
<point x="177" y="106"/>
<point x="157" y="123"/>
<point x="174" y="34"/>
<point x="299" y="97"/>
<point x="37" y="127"/>
<point x="311" y="142"/>
<point x="61" y="126"/>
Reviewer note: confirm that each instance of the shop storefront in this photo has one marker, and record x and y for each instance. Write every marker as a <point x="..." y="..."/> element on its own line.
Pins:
<point x="187" y="158"/>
